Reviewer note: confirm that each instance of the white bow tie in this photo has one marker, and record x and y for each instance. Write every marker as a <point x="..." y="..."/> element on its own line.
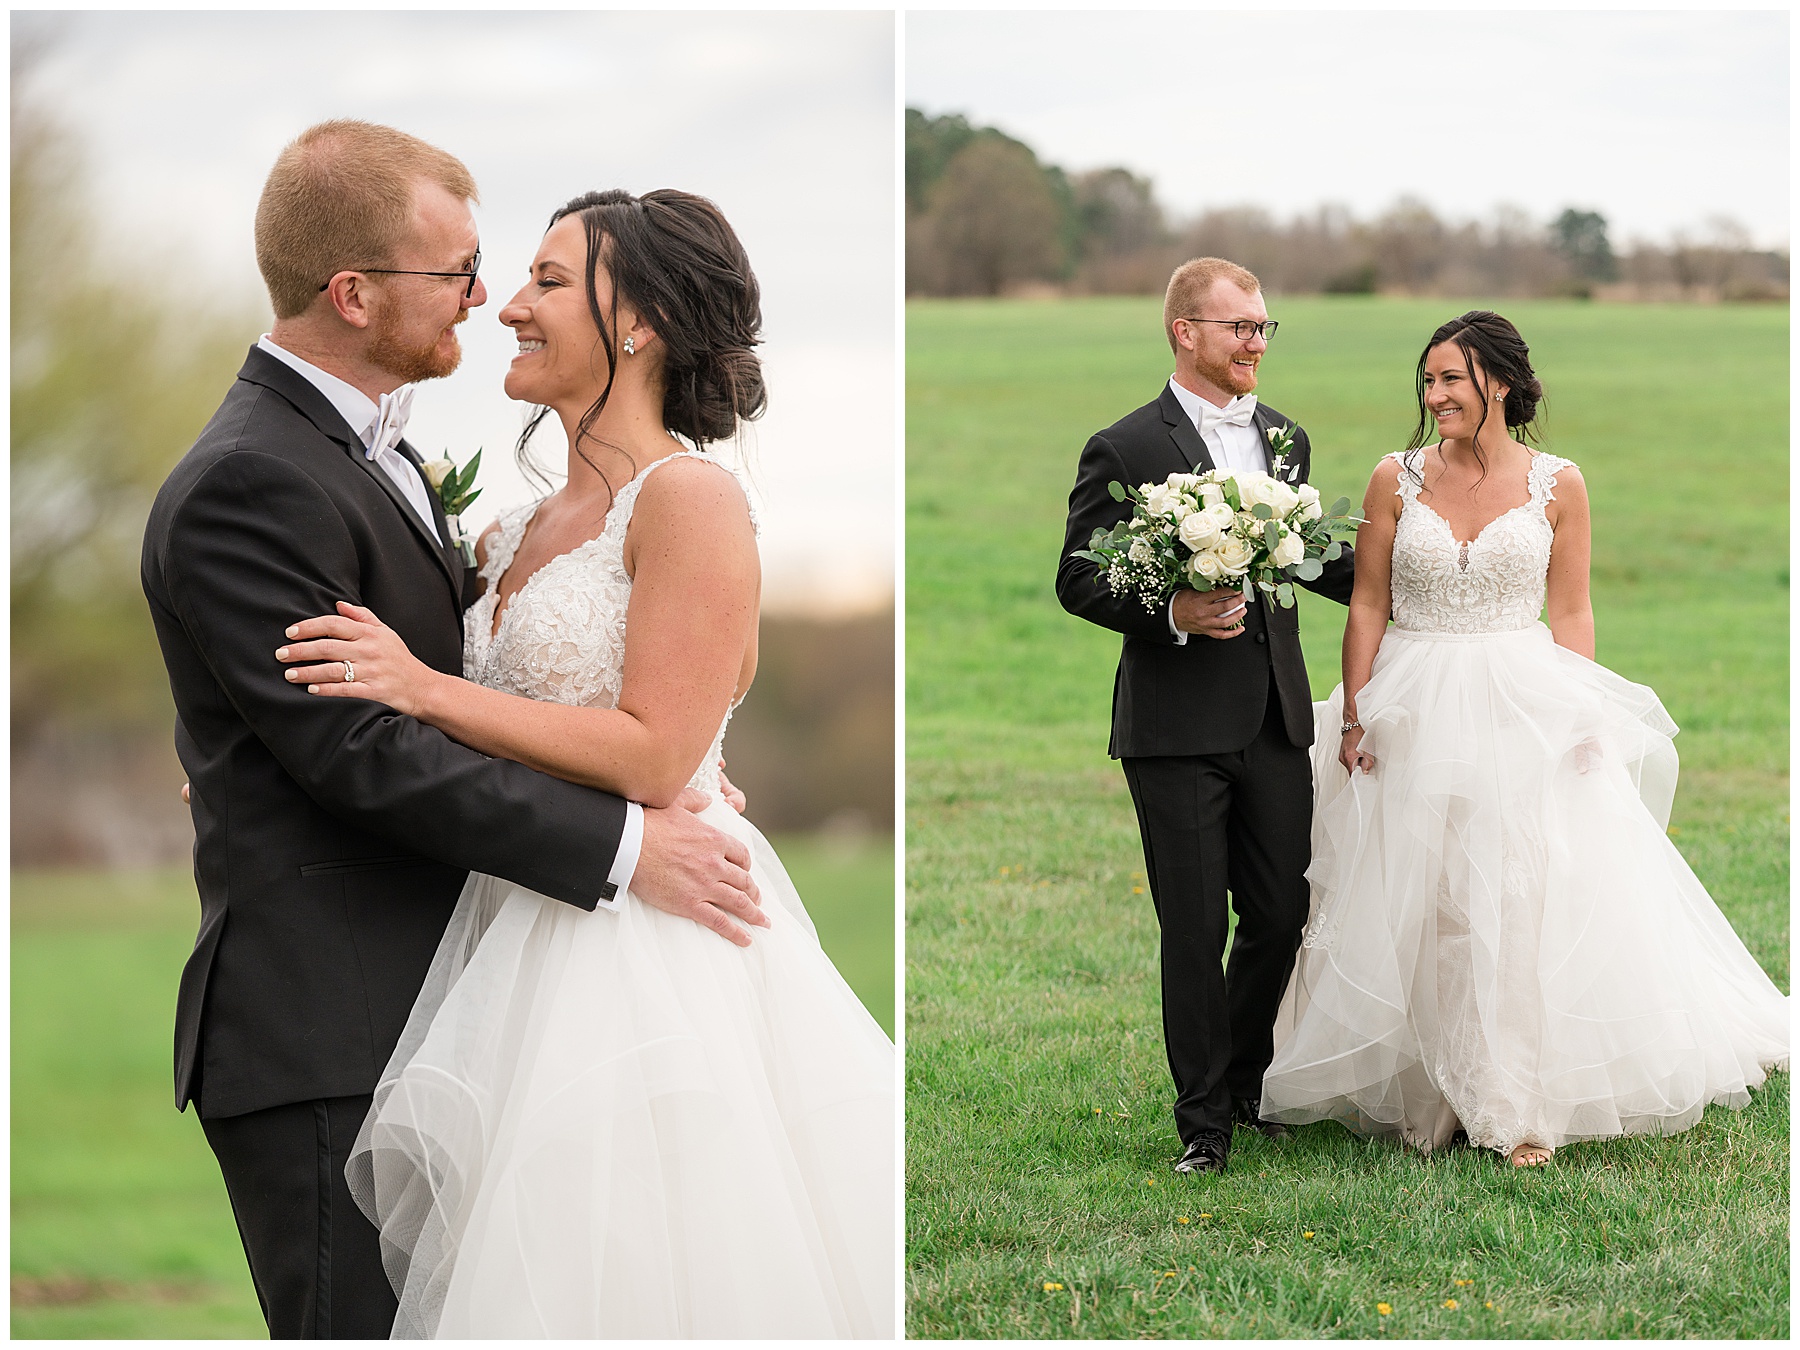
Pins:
<point x="1236" y="413"/>
<point x="390" y="426"/>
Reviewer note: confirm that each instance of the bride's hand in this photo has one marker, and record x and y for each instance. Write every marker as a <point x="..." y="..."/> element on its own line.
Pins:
<point x="1352" y="756"/>
<point x="355" y="655"/>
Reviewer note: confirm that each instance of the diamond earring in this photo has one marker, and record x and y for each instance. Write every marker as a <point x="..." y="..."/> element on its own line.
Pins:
<point x="630" y="345"/>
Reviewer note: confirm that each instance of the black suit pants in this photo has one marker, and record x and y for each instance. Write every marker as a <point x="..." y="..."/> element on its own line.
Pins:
<point x="315" y="1260"/>
<point x="1241" y="823"/>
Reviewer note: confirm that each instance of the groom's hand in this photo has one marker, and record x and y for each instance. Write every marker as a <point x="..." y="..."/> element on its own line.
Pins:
<point x="1217" y="614"/>
<point x="689" y="869"/>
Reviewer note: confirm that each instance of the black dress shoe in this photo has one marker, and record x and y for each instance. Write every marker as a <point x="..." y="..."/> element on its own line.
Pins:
<point x="1206" y="1153"/>
<point x="1248" y="1113"/>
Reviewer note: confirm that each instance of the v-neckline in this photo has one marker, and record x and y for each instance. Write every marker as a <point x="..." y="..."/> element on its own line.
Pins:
<point x="504" y="606"/>
<point x="1466" y="544"/>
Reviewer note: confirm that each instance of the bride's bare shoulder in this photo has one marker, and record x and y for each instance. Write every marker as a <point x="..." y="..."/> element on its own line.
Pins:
<point x="1383" y="495"/>
<point x="694" y="497"/>
<point x="1387" y="473"/>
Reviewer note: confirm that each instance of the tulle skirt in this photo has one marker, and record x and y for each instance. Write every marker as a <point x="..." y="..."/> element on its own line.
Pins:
<point x="617" y="1124"/>
<point x="1502" y="936"/>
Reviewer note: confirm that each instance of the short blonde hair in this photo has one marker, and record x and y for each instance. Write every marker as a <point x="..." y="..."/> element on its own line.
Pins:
<point x="1193" y="282"/>
<point x="341" y="197"/>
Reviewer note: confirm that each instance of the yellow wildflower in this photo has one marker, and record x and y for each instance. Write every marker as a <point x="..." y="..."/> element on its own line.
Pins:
<point x="1383" y="1308"/>
<point x="1051" y="1287"/>
<point x="1137" y="890"/>
<point x="1450" y="1303"/>
<point x="1182" y="1219"/>
<point x="1490" y="1307"/>
<point x="1308" y="1233"/>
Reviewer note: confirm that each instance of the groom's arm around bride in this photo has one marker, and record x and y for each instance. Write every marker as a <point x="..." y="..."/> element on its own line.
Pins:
<point x="333" y="836"/>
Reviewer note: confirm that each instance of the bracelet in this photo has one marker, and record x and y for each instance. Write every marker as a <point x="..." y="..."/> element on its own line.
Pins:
<point x="1348" y="727"/>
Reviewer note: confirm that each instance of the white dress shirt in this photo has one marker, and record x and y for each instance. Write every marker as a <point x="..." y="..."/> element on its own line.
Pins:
<point x="1231" y="447"/>
<point x="366" y="417"/>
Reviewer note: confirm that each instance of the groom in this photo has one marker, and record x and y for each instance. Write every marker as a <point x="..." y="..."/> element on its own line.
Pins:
<point x="333" y="835"/>
<point x="1212" y="715"/>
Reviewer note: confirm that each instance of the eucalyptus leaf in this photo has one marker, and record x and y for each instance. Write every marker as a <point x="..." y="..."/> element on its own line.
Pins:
<point x="1308" y="569"/>
<point x="1261" y="511"/>
<point x="1117" y="489"/>
<point x="1340" y="506"/>
<point x="1285" y="594"/>
<point x="1333" y="551"/>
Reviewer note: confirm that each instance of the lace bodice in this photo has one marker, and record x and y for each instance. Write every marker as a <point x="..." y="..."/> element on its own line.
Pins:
<point x="1493" y="583"/>
<point x="562" y="637"/>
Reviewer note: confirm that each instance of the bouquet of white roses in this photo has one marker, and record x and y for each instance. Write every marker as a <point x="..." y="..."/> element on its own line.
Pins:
<point x="1250" y="530"/>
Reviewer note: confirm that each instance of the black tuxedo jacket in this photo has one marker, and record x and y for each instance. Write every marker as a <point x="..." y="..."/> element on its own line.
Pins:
<point x="1208" y="696"/>
<point x="332" y="835"/>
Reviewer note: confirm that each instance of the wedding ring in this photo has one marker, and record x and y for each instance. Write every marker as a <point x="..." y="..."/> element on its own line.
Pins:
<point x="349" y="673"/>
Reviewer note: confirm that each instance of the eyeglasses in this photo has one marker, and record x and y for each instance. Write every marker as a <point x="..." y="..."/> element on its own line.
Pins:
<point x="471" y="272"/>
<point x="1244" y="328"/>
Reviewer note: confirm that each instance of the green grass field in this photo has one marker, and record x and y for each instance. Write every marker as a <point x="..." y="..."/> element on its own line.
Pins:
<point x="1040" y="1202"/>
<point x="120" y="1224"/>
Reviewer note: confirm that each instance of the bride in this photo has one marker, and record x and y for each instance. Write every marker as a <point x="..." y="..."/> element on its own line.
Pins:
<point x="620" y="1124"/>
<point x="1503" y="940"/>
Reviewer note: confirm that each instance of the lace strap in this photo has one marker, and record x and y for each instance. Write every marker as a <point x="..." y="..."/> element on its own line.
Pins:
<point x="505" y="542"/>
<point x="1407" y="489"/>
<point x="1540" y="478"/>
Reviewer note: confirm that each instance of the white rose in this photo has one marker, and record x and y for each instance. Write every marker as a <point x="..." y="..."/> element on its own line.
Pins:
<point x="1283" y="499"/>
<point x="1234" y="555"/>
<point x="1161" y="500"/>
<point x="436" y="471"/>
<point x="1309" y="502"/>
<point x="1184" y="480"/>
<point x="1199" y="531"/>
<point x="1256" y="489"/>
<point x="1205" y="570"/>
<point x="1212" y="494"/>
<point x="1140" y="551"/>
<point x="1289" y="551"/>
<point x="1222" y="515"/>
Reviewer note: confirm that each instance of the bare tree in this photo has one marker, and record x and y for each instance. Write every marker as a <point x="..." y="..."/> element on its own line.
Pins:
<point x="992" y="221"/>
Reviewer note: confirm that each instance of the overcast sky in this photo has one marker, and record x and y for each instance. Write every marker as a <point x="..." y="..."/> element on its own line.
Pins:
<point x="1656" y="119"/>
<point x="785" y="120"/>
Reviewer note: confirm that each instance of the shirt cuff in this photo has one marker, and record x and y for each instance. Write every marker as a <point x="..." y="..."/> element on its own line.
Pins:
<point x="1174" y="632"/>
<point x="625" y="861"/>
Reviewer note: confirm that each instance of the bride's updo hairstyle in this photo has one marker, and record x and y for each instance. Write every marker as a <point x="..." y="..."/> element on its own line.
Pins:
<point x="1492" y="347"/>
<point x="674" y="258"/>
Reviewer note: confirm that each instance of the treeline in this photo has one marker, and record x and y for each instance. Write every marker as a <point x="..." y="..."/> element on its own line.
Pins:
<point x="984" y="216"/>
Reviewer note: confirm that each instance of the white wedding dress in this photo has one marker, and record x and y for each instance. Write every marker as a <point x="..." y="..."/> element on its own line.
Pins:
<point x="1501" y="934"/>
<point x="617" y="1124"/>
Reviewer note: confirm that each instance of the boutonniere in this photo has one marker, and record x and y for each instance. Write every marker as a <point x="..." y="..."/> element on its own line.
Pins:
<point x="1281" y="441"/>
<point x="457" y="491"/>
